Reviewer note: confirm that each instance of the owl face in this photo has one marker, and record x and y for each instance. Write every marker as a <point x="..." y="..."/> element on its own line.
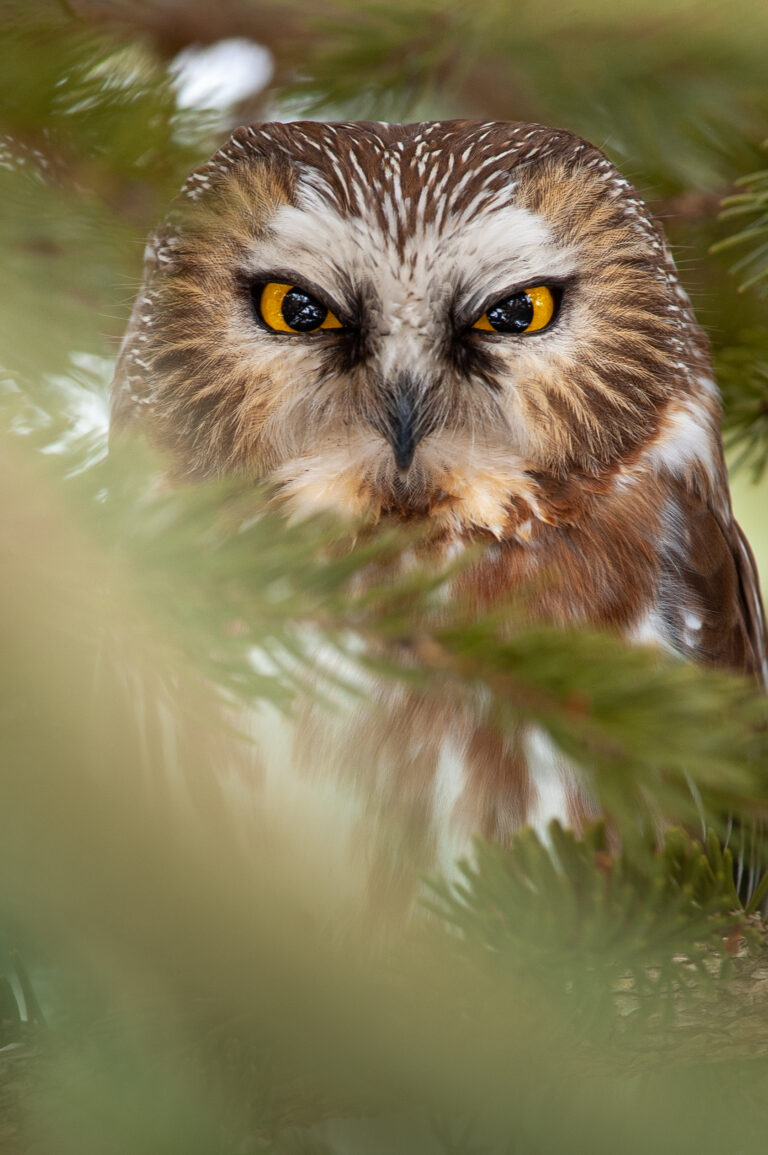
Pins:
<point x="436" y="320"/>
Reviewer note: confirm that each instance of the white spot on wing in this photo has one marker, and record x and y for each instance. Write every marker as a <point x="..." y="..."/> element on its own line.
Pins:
<point x="686" y="438"/>
<point x="650" y="630"/>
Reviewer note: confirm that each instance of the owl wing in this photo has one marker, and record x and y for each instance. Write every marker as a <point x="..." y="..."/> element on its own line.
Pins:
<point x="754" y="612"/>
<point x="710" y="592"/>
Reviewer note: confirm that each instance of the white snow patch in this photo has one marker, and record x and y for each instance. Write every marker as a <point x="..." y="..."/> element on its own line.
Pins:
<point x="222" y="74"/>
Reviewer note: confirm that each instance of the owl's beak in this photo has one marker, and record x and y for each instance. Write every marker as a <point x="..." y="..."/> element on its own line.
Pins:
<point x="402" y="422"/>
<point x="402" y="431"/>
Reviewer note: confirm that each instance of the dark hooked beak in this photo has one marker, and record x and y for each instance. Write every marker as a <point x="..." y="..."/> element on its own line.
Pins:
<point x="402" y="431"/>
<point x="403" y="421"/>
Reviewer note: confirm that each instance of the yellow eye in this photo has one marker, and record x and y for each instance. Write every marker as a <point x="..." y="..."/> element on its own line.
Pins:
<point x="523" y="312"/>
<point x="289" y="309"/>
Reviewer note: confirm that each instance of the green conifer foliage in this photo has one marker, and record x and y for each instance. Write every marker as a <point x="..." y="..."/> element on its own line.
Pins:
<point x="176" y="975"/>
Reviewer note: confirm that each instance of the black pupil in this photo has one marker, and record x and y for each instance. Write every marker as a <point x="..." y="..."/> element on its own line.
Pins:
<point x="303" y="312"/>
<point x="513" y="315"/>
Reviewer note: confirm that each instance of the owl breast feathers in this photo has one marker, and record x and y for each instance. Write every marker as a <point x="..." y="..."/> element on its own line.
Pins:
<point x="476" y="324"/>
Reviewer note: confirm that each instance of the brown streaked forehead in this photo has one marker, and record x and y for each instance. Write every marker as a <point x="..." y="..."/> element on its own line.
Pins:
<point x="406" y="176"/>
<point x="419" y="168"/>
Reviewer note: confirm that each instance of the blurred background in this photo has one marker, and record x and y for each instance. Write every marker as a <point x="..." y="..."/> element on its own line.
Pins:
<point x="176" y="979"/>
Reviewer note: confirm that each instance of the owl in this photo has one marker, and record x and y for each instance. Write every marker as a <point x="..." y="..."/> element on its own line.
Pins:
<point x="478" y="326"/>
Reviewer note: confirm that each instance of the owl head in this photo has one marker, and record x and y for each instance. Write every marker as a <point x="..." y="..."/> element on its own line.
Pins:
<point x="429" y="320"/>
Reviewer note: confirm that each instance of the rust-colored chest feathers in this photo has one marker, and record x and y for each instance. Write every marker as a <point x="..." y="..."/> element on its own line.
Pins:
<point x="478" y="324"/>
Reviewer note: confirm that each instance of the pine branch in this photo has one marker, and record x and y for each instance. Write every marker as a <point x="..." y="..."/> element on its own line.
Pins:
<point x="227" y="577"/>
<point x="599" y="925"/>
<point x="750" y="209"/>
<point x="742" y="372"/>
